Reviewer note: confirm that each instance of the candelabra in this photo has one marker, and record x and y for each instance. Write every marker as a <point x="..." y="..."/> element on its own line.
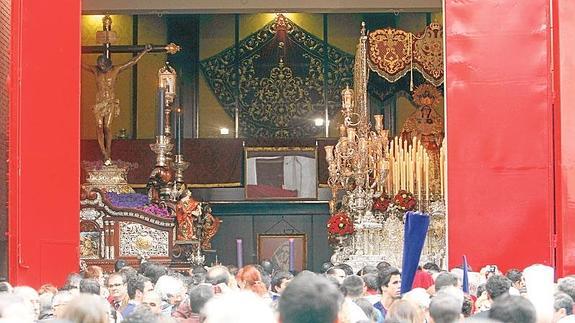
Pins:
<point x="358" y="163"/>
<point x="196" y="257"/>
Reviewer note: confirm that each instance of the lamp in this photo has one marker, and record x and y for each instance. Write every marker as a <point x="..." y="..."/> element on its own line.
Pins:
<point x="167" y="78"/>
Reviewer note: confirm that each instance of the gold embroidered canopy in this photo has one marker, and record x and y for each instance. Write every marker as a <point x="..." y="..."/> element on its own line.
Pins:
<point x="393" y="53"/>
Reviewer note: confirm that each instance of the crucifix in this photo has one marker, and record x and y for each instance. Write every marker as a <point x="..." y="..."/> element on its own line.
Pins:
<point x="107" y="106"/>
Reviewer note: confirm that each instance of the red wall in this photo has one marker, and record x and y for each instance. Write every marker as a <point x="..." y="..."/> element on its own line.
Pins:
<point x="44" y="141"/>
<point x="564" y="45"/>
<point x="499" y="132"/>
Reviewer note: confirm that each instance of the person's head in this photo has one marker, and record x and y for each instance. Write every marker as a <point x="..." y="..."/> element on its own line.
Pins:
<point x="199" y="296"/>
<point x="567" y="286"/>
<point x="325" y="267"/>
<point x="337" y="273"/>
<point x="250" y="278"/>
<point x="198" y="274"/>
<point x="86" y="308"/>
<point x="119" y="264"/>
<point x="445" y="279"/>
<point x="267" y="266"/>
<point x="404" y="311"/>
<point x="155" y="271"/>
<point x="170" y="289"/>
<point x="419" y="297"/>
<point x="280" y="280"/>
<point x="142" y="314"/>
<point x="512" y="309"/>
<point x="103" y="63"/>
<point x="137" y="286"/>
<point x="47" y="288"/>
<point x="238" y="306"/>
<point x="117" y="286"/>
<point x="431" y="268"/>
<point x="89" y="286"/>
<point x="467" y="308"/>
<point x="310" y="298"/>
<point x="390" y="282"/>
<point x="128" y="272"/>
<point x="563" y="306"/>
<point x="367" y="269"/>
<point x="346" y="268"/>
<point x="367" y="308"/>
<point x="496" y="286"/>
<point x="516" y="278"/>
<point x="382" y="265"/>
<point x="352" y="286"/>
<point x="95" y="272"/>
<point x="152" y="300"/>
<point x="481" y="289"/>
<point x="445" y="306"/>
<point x="30" y="297"/>
<point x="371" y="283"/>
<point x="72" y="283"/>
<point x="60" y="302"/>
<point x="14" y="309"/>
<point x="5" y="287"/>
<point x="218" y="275"/>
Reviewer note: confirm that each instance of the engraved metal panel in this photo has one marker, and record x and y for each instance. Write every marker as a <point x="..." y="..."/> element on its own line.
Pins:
<point x="139" y="240"/>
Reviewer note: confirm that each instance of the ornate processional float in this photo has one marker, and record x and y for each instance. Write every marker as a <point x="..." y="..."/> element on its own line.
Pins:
<point x="166" y="224"/>
<point x="380" y="179"/>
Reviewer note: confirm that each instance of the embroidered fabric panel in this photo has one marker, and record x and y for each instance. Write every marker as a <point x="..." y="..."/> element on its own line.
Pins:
<point x="280" y="89"/>
<point x="393" y="53"/>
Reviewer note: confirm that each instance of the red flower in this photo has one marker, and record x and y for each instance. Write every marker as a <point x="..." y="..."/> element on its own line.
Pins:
<point x="340" y="224"/>
<point x="405" y="200"/>
<point x="381" y="203"/>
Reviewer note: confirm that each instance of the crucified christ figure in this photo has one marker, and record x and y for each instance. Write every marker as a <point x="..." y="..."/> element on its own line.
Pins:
<point x="107" y="106"/>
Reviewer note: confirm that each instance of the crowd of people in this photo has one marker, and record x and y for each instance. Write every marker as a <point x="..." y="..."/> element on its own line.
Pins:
<point x="260" y="293"/>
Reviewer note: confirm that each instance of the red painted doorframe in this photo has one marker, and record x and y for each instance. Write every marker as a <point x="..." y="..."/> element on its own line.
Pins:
<point x="499" y="132"/>
<point x="564" y="78"/>
<point x="44" y="140"/>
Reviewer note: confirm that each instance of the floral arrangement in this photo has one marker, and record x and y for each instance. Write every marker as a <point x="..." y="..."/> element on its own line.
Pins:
<point x="137" y="201"/>
<point x="127" y="200"/>
<point x="340" y="224"/>
<point x="381" y="203"/>
<point x="405" y="201"/>
<point x="156" y="210"/>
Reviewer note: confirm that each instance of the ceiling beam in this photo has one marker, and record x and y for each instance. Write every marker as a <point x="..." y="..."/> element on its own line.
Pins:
<point x="254" y="6"/>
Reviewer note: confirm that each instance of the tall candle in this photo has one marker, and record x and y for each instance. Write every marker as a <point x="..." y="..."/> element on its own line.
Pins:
<point x="378" y="122"/>
<point x="351" y="134"/>
<point x="174" y="121"/>
<point x="291" y="255"/>
<point x="419" y="177"/>
<point x="178" y="132"/>
<point x="161" y="107"/>
<point x="239" y="253"/>
<point x="441" y="172"/>
<point x="426" y="166"/>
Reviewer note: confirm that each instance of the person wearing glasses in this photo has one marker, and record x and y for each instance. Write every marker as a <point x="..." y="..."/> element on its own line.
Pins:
<point x="118" y="291"/>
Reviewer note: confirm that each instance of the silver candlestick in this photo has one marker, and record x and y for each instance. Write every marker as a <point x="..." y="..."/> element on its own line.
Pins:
<point x="179" y="166"/>
<point x="162" y="148"/>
